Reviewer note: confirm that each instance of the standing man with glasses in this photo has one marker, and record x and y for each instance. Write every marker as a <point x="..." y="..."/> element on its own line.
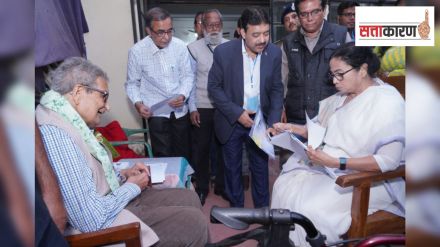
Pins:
<point x="246" y="77"/>
<point x="159" y="69"/>
<point x="201" y="106"/>
<point x="346" y="16"/>
<point x="308" y="51"/>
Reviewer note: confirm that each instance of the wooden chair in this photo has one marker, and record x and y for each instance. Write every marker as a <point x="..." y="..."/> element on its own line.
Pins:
<point x="380" y="222"/>
<point x="397" y="81"/>
<point x="128" y="233"/>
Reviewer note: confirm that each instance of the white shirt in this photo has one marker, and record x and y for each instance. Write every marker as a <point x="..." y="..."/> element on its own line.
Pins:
<point x="251" y="74"/>
<point x="154" y="74"/>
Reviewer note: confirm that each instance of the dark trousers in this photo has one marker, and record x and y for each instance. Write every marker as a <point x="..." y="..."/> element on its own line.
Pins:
<point x="202" y="140"/>
<point x="170" y="137"/>
<point x="232" y="154"/>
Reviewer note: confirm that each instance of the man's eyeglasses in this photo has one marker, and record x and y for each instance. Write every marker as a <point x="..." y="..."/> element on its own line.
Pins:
<point x="213" y="26"/>
<point x="103" y="93"/>
<point x="162" y="33"/>
<point x="313" y="13"/>
<point x="349" y="15"/>
<point x="339" y="76"/>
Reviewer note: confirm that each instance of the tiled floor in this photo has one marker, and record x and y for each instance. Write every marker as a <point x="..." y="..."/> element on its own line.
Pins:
<point x="218" y="231"/>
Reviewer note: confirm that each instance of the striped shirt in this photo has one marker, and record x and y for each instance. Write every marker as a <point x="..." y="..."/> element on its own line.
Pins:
<point x="154" y="74"/>
<point x="86" y="209"/>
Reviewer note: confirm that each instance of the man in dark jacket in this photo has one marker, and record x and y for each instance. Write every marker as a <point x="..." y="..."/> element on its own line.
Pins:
<point x="245" y="77"/>
<point x="308" y="51"/>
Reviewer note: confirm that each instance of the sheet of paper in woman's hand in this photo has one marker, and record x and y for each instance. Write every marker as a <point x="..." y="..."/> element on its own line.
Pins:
<point x="289" y="141"/>
<point x="315" y="133"/>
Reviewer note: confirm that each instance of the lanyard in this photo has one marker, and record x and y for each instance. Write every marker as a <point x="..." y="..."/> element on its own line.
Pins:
<point x="252" y="68"/>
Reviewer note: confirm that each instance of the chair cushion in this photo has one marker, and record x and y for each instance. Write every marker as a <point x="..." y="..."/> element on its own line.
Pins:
<point x="114" y="132"/>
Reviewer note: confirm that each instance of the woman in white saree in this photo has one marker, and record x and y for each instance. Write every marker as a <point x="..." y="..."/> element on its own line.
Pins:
<point x="365" y="124"/>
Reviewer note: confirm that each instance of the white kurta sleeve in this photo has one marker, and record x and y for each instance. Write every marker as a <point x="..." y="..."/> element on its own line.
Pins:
<point x="388" y="156"/>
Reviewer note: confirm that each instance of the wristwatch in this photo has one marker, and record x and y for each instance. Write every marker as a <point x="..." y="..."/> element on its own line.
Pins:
<point x="342" y="163"/>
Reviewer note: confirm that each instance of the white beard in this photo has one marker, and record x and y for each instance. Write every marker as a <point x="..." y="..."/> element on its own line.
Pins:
<point x="213" y="38"/>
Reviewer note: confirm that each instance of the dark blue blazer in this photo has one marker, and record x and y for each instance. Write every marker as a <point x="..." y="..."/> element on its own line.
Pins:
<point x="226" y="86"/>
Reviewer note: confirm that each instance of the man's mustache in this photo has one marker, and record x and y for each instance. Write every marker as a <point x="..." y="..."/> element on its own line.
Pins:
<point x="214" y="34"/>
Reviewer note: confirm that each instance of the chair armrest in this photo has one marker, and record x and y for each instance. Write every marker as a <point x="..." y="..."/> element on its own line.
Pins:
<point x="129" y="132"/>
<point x="146" y="144"/>
<point x="128" y="233"/>
<point x="356" y="179"/>
<point x="119" y="143"/>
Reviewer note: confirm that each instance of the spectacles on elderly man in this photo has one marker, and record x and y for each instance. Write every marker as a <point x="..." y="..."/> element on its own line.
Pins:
<point x="161" y="33"/>
<point x="103" y="93"/>
<point x="339" y="76"/>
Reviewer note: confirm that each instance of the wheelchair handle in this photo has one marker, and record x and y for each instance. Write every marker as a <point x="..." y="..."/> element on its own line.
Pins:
<point x="240" y="218"/>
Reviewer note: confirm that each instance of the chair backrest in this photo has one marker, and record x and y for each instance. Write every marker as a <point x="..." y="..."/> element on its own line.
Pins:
<point x="48" y="183"/>
<point x="398" y="82"/>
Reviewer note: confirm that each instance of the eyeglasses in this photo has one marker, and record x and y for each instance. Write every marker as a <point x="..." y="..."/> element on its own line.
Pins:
<point x="103" y="93"/>
<point x="349" y="15"/>
<point x="313" y="13"/>
<point x="213" y="26"/>
<point x="339" y="76"/>
<point x="162" y="33"/>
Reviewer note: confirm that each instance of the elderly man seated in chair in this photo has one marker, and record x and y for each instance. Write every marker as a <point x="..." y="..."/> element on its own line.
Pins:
<point x="95" y="195"/>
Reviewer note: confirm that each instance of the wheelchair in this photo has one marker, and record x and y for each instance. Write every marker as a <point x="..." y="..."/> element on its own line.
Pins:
<point x="276" y="225"/>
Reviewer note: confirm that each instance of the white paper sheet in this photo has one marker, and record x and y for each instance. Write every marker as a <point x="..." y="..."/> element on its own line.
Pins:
<point x="121" y="165"/>
<point x="289" y="141"/>
<point x="157" y="172"/>
<point x="260" y="137"/>
<point x="163" y="107"/>
<point x="316" y="133"/>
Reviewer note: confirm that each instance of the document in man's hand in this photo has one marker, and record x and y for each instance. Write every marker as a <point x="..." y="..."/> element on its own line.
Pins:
<point x="259" y="136"/>
<point x="163" y="107"/>
<point x="289" y="141"/>
<point x="157" y="172"/>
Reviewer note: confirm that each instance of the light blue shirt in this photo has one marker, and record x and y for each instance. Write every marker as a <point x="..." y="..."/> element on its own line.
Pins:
<point x="154" y="74"/>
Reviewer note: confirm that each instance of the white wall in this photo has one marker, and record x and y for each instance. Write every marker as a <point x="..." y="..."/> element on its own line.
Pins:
<point x="108" y="41"/>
